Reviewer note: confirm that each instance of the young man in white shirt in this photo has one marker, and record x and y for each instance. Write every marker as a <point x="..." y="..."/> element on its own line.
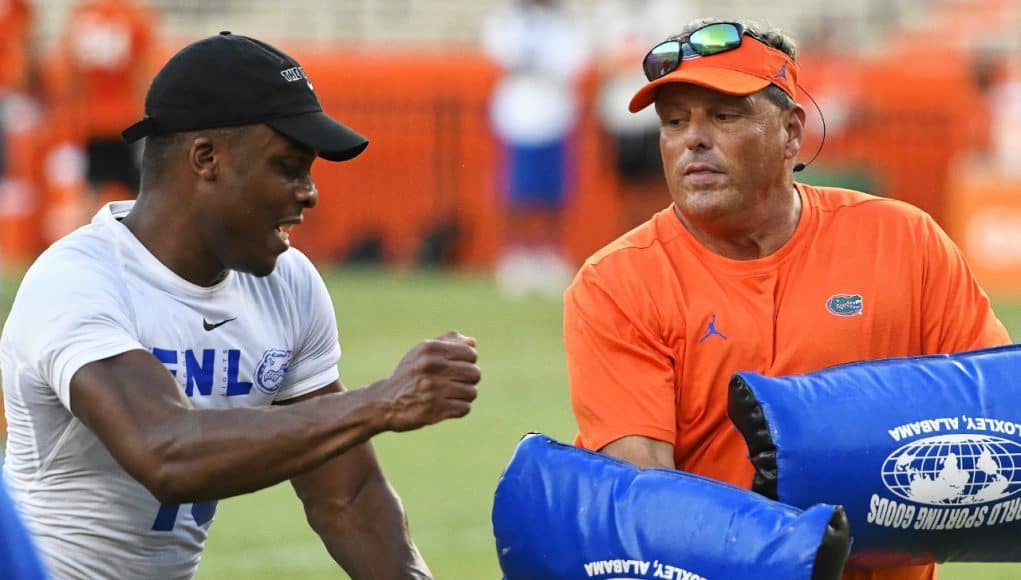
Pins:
<point x="177" y="351"/>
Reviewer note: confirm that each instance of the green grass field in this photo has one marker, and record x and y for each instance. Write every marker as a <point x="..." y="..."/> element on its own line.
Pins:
<point x="445" y="474"/>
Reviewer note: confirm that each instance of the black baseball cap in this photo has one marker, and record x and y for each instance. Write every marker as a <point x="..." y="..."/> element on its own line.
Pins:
<point x="230" y="80"/>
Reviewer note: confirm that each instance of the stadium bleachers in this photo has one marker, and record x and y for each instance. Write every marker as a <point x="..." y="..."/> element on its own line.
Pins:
<point x="458" y="21"/>
<point x="894" y="129"/>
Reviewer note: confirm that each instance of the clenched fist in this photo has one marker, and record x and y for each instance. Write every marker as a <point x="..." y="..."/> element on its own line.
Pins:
<point x="436" y="380"/>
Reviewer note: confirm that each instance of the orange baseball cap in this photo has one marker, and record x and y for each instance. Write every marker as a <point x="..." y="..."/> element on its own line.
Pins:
<point x="744" y="70"/>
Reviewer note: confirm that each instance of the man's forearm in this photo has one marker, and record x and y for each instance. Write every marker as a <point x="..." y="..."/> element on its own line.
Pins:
<point x="218" y="453"/>
<point x="182" y="454"/>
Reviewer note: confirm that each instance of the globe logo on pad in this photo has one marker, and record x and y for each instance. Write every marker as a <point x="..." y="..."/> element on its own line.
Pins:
<point x="955" y="470"/>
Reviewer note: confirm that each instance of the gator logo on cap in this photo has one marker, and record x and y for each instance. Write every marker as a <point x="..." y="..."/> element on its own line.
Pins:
<point x="844" y="304"/>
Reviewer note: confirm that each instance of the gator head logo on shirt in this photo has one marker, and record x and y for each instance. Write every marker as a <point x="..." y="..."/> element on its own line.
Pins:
<point x="270" y="373"/>
<point x="845" y="304"/>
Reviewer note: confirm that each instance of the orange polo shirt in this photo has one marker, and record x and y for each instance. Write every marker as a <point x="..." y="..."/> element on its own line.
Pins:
<point x="655" y="323"/>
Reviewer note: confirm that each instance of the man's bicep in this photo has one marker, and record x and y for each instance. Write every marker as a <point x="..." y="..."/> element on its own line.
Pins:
<point x="621" y="376"/>
<point x="336" y="484"/>
<point x="642" y="451"/>
<point x="55" y="328"/>
<point x="121" y="399"/>
<point x="962" y="317"/>
<point x="357" y="514"/>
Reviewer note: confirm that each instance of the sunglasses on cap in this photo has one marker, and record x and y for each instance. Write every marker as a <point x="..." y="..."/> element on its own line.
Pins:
<point x="665" y="57"/>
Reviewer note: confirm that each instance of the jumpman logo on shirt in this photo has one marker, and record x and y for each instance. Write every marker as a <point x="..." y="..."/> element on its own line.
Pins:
<point x="711" y="331"/>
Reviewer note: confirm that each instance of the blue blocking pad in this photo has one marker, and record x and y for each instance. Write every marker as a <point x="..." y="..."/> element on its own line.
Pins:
<point x="924" y="453"/>
<point x="561" y="512"/>
<point x="19" y="559"/>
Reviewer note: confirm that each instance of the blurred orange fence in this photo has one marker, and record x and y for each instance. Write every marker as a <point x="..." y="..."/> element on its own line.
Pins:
<point x="985" y="219"/>
<point x="433" y="162"/>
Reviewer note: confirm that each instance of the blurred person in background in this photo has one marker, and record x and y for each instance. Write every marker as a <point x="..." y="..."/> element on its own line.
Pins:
<point x="748" y="270"/>
<point x="625" y="30"/>
<point x="106" y="59"/>
<point x="1005" y="118"/>
<point x="533" y="111"/>
<point x="177" y="351"/>
<point x="985" y="71"/>
<point x="15" y="22"/>
<point x="19" y="115"/>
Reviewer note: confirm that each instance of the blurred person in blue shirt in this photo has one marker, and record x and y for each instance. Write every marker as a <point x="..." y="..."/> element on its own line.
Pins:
<point x="533" y="111"/>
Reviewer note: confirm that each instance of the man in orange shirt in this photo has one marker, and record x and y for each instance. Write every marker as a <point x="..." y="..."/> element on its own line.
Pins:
<point x="748" y="270"/>
<point x="107" y="53"/>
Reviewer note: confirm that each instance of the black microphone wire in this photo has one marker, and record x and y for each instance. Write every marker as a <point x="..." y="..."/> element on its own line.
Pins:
<point x="801" y="166"/>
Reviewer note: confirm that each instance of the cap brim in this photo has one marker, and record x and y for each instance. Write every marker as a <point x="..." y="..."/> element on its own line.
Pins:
<point x="319" y="131"/>
<point x="723" y="80"/>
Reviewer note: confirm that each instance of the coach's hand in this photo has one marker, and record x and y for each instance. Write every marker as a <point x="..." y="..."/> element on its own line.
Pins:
<point x="434" y="381"/>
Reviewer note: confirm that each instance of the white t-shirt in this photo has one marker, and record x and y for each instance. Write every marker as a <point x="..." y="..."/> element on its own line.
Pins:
<point x="245" y="342"/>
<point x="542" y="52"/>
